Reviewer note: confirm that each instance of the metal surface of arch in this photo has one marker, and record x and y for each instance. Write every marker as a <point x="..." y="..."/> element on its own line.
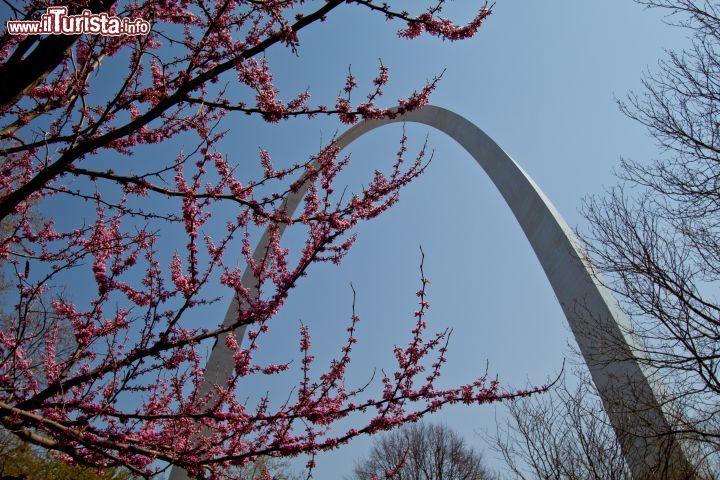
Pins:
<point x="599" y="327"/>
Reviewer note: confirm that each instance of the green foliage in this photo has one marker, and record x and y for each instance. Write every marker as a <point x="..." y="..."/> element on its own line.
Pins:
<point x="19" y="460"/>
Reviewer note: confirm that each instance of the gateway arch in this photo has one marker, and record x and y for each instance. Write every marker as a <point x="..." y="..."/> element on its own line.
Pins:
<point x="630" y="398"/>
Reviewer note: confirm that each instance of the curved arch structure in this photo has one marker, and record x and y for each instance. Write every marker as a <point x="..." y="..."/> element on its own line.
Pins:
<point x="629" y="397"/>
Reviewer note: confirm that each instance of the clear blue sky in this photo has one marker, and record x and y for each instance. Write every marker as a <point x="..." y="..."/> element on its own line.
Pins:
<point x="541" y="79"/>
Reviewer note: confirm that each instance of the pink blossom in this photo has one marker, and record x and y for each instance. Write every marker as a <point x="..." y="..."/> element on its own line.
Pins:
<point x="132" y="383"/>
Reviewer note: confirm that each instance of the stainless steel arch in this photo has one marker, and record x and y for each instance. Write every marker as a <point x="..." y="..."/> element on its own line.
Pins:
<point x="599" y="327"/>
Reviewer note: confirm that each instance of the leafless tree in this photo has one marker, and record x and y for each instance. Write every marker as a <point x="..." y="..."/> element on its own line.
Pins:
<point x="563" y="435"/>
<point x="422" y="451"/>
<point x="656" y="236"/>
<point x="566" y="435"/>
<point x="276" y="469"/>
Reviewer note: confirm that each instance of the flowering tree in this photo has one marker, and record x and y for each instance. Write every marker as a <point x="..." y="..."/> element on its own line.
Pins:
<point x="125" y="390"/>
